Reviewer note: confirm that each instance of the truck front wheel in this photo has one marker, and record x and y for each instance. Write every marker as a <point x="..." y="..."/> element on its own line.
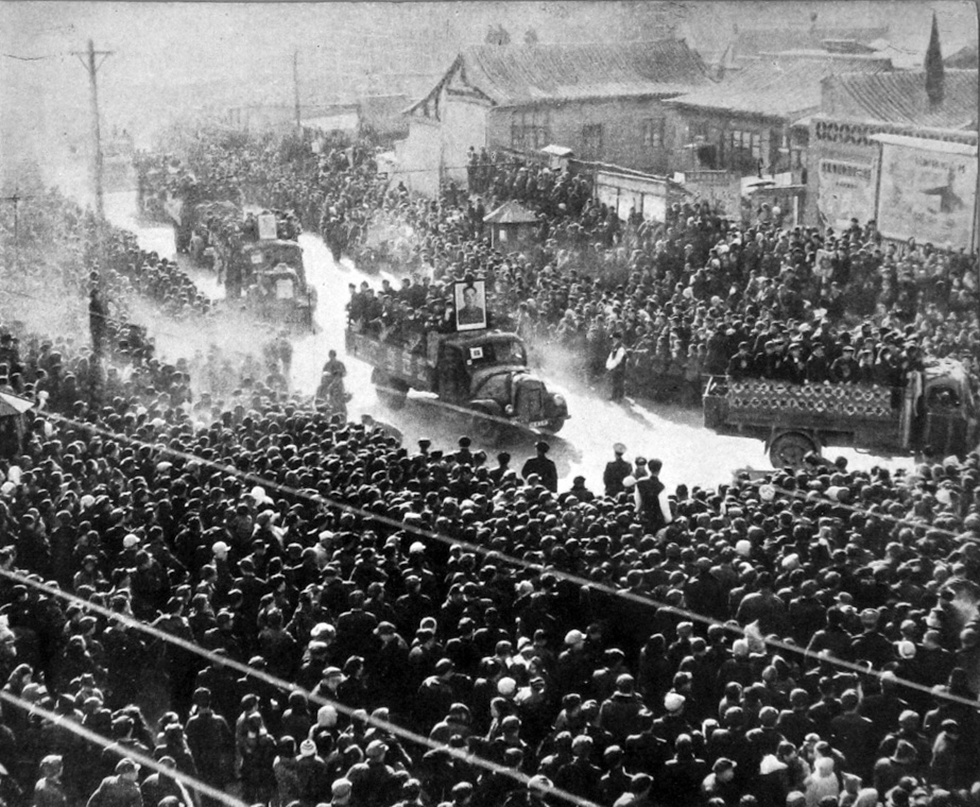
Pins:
<point x="486" y="428"/>
<point x="391" y="391"/>
<point x="554" y="426"/>
<point x="790" y="449"/>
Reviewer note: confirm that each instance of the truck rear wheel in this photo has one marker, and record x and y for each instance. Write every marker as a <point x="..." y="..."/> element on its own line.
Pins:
<point x="391" y="391"/>
<point x="790" y="449"/>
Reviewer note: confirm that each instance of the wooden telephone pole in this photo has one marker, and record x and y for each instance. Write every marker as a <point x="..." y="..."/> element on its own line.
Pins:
<point x="88" y="60"/>
<point x="15" y="199"/>
<point x="296" y="86"/>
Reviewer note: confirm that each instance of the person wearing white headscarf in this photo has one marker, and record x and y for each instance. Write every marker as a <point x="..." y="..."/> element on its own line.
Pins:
<point x="822" y="782"/>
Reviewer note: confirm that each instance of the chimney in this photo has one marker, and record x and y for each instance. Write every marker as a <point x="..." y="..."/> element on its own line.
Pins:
<point x="935" y="79"/>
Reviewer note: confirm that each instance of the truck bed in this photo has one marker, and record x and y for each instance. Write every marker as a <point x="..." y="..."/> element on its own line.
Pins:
<point x="396" y="360"/>
<point x="759" y="402"/>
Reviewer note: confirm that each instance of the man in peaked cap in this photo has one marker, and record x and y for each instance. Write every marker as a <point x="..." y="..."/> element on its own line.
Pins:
<point x="120" y="789"/>
<point x="616" y="471"/>
<point x="542" y="466"/>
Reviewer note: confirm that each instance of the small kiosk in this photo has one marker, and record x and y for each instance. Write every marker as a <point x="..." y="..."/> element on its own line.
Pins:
<point x="511" y="226"/>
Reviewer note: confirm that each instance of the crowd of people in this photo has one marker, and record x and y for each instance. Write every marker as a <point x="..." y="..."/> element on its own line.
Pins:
<point x="407" y="602"/>
<point x="683" y="294"/>
<point x="373" y="624"/>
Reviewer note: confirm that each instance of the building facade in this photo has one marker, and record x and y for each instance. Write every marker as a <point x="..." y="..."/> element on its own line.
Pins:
<point x="752" y="122"/>
<point x="841" y="162"/>
<point x="604" y="102"/>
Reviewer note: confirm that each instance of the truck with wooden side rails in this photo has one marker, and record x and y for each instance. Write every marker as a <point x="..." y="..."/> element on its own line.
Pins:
<point x="483" y="372"/>
<point x="934" y="414"/>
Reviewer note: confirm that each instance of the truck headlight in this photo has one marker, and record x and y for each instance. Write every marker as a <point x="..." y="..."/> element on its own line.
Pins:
<point x="559" y="400"/>
<point x="508" y="410"/>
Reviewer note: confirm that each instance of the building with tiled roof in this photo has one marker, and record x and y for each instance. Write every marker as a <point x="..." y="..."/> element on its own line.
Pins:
<point x="900" y="98"/>
<point x="745" y="122"/>
<point x="854" y="109"/>
<point x="605" y="102"/>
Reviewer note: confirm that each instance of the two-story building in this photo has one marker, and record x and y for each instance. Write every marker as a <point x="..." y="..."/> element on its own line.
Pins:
<point x="605" y="102"/>
<point x="752" y="121"/>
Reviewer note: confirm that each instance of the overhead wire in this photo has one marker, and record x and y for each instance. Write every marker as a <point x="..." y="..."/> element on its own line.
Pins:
<point x="536" y="568"/>
<point x="287" y="686"/>
<point x="144" y="761"/>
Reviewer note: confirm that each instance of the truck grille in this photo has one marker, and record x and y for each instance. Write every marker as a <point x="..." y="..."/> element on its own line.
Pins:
<point x="530" y="403"/>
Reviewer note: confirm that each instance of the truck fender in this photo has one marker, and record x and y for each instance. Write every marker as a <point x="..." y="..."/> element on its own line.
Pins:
<point x="488" y="405"/>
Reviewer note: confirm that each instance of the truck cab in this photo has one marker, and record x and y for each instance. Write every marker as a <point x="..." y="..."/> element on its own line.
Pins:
<point x="277" y="281"/>
<point x="949" y="417"/>
<point x="484" y="373"/>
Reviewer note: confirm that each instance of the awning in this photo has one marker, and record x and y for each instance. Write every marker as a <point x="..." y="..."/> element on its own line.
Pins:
<point x="11" y="405"/>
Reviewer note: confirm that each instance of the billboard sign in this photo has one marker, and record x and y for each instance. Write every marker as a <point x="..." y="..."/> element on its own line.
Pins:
<point x="927" y="190"/>
<point x="623" y="192"/>
<point x="720" y="189"/>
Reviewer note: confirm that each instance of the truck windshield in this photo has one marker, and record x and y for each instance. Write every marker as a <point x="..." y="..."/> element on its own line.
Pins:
<point x="493" y="353"/>
<point x="942" y="398"/>
<point x="273" y="256"/>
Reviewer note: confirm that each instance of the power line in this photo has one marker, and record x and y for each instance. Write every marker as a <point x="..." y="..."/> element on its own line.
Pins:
<point x="76" y="728"/>
<point x="287" y="686"/>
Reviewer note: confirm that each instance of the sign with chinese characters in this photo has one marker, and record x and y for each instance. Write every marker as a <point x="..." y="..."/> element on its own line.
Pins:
<point x="845" y="192"/>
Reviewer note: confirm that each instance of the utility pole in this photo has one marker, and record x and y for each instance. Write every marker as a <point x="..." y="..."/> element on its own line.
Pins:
<point x="88" y="60"/>
<point x="15" y="199"/>
<point x="296" y="86"/>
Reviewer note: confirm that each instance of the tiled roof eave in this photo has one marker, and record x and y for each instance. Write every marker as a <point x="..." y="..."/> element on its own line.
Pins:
<point x="512" y="103"/>
<point x="713" y="108"/>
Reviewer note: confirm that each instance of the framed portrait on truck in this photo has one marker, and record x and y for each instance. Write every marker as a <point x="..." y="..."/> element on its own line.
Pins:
<point x="470" y="300"/>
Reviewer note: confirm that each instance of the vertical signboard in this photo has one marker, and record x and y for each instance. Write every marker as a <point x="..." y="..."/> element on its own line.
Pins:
<point x="845" y="191"/>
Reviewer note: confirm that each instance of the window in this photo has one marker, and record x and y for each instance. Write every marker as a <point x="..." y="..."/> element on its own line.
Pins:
<point x="530" y="129"/>
<point x="592" y="141"/>
<point x="697" y="129"/>
<point x="652" y="133"/>
<point x="744" y="150"/>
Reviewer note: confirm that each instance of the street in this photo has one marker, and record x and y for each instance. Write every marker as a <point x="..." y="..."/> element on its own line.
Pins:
<point x="691" y="453"/>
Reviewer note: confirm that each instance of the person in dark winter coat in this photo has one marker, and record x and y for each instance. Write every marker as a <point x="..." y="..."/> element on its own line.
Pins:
<point x="120" y="789"/>
<point x="542" y="466"/>
<point x="211" y="741"/>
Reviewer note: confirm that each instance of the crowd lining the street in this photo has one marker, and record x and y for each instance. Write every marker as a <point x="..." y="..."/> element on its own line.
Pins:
<point x="684" y="295"/>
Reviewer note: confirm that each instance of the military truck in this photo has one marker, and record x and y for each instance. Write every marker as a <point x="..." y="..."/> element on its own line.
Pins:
<point x="481" y="372"/>
<point x="276" y="285"/>
<point x="187" y="217"/>
<point x="934" y="414"/>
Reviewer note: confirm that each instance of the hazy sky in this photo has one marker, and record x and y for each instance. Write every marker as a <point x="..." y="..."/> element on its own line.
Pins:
<point x="250" y="46"/>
